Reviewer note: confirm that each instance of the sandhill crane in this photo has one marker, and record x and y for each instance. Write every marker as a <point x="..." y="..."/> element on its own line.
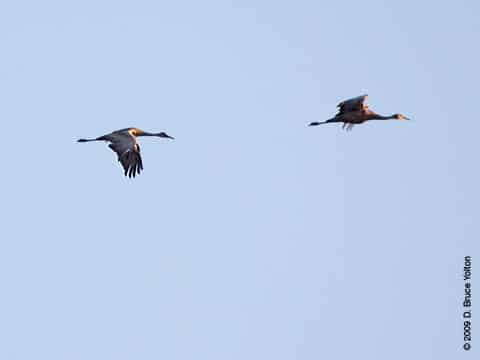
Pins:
<point x="124" y="143"/>
<point x="354" y="111"/>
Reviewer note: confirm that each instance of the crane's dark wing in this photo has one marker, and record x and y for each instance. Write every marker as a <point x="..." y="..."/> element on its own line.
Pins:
<point x="354" y="104"/>
<point x="132" y="162"/>
<point x="128" y="152"/>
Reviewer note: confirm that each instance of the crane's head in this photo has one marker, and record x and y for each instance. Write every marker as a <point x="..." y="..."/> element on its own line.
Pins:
<point x="400" y="117"/>
<point x="164" y="135"/>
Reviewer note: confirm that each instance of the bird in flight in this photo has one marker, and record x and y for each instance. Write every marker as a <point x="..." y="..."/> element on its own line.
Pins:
<point x="124" y="143"/>
<point x="354" y="111"/>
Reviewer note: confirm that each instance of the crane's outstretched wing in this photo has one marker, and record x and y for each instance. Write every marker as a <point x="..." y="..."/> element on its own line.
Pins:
<point x="354" y="104"/>
<point x="128" y="152"/>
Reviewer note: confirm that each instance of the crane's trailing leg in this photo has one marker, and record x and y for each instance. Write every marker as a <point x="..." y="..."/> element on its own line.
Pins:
<point x="316" y="123"/>
<point x="96" y="139"/>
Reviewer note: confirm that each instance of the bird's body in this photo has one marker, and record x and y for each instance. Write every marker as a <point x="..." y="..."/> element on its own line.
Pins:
<point x="124" y="143"/>
<point x="354" y="111"/>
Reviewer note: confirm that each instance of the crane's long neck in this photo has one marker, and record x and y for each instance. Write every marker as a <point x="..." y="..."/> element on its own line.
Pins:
<point x="144" y="133"/>
<point x="160" y="134"/>
<point x="381" y="117"/>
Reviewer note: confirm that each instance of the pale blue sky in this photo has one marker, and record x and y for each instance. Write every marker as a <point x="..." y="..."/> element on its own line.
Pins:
<point x="250" y="236"/>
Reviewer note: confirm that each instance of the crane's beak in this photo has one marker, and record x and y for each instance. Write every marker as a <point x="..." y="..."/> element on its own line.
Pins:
<point x="170" y="137"/>
<point x="406" y="118"/>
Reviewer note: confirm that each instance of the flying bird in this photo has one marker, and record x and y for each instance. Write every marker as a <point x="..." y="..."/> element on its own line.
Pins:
<point x="354" y="111"/>
<point x="124" y="143"/>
